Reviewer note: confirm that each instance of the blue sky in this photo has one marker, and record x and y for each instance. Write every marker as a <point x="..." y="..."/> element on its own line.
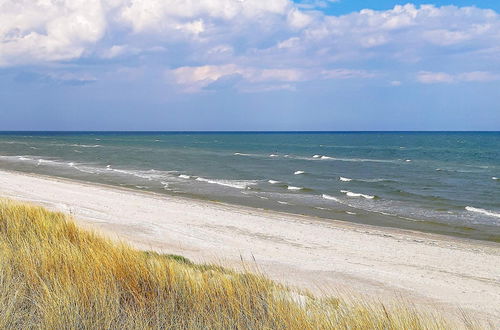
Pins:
<point x="249" y="65"/>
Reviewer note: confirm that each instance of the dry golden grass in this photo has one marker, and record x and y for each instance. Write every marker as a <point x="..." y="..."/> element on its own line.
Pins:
<point x="55" y="275"/>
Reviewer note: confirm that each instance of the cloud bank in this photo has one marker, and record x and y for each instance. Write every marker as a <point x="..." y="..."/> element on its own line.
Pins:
<point x="253" y="45"/>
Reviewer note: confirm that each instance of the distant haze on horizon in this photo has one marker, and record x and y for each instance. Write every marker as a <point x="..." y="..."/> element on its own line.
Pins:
<point x="248" y="65"/>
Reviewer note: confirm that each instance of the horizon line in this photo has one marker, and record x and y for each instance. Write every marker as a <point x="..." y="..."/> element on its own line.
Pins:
<point x="249" y="131"/>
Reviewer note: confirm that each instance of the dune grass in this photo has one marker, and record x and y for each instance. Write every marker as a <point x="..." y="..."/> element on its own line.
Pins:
<point x="55" y="275"/>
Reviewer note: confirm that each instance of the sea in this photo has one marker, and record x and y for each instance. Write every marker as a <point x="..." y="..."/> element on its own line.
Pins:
<point x="441" y="182"/>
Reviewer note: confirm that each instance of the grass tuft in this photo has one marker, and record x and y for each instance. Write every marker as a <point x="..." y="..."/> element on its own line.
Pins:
<point x="56" y="275"/>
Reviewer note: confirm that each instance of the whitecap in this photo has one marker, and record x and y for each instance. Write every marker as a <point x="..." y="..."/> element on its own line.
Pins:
<point x="24" y="158"/>
<point x="317" y="156"/>
<point x="273" y="155"/>
<point x="241" y="154"/>
<point x="284" y="203"/>
<point x="344" y="179"/>
<point x="273" y="181"/>
<point x="86" y="145"/>
<point x="495" y="178"/>
<point x="228" y="183"/>
<point x="41" y="161"/>
<point x="298" y="172"/>
<point x="325" y="196"/>
<point x="326" y="157"/>
<point x="294" y="188"/>
<point x="482" y="211"/>
<point x="71" y="164"/>
<point x="183" y="176"/>
<point x="408" y="160"/>
<point x="350" y="213"/>
<point x="353" y="194"/>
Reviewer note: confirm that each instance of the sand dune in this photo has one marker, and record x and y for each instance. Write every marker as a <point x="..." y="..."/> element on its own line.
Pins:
<point x="442" y="272"/>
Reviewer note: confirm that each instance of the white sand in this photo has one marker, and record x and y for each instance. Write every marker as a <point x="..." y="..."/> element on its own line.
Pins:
<point x="443" y="272"/>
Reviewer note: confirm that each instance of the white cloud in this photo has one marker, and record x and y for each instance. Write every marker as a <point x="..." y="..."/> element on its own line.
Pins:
<point x="427" y="77"/>
<point x="41" y="31"/>
<point x="278" y="41"/>
<point x="195" y="79"/>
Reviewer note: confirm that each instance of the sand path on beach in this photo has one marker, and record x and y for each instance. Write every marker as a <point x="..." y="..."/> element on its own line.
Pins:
<point x="323" y="256"/>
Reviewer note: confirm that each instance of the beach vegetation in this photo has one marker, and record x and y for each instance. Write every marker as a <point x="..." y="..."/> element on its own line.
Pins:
<point x="55" y="275"/>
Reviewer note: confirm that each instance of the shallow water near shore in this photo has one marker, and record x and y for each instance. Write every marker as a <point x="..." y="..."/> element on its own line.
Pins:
<point x="446" y="183"/>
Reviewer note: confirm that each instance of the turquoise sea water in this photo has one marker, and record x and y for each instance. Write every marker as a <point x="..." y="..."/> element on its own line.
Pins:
<point x="439" y="182"/>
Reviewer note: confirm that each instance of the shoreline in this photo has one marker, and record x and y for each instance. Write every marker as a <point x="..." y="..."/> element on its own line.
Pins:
<point x="449" y="273"/>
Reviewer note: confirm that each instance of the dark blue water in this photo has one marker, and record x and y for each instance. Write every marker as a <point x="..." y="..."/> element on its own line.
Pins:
<point x="440" y="182"/>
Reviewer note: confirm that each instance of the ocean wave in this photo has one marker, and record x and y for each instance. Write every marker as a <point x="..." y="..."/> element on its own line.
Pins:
<point x="345" y="179"/>
<point x="42" y="161"/>
<point x="482" y="211"/>
<point x="241" y="154"/>
<point x="183" y="176"/>
<point x="284" y="203"/>
<point x="273" y="181"/>
<point x="495" y="178"/>
<point x="353" y="194"/>
<point x="24" y="158"/>
<point x="86" y="145"/>
<point x="273" y="155"/>
<point x="298" y="172"/>
<point x="331" y="198"/>
<point x="294" y="188"/>
<point x="228" y="183"/>
<point x="356" y="160"/>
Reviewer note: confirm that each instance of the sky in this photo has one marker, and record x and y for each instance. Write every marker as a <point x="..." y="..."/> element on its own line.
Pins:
<point x="187" y="65"/>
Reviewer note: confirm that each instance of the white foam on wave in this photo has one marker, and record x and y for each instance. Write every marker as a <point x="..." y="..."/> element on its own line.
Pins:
<point x="86" y="145"/>
<point x="495" y="178"/>
<point x="273" y="155"/>
<point x="298" y="172"/>
<point x="183" y="176"/>
<point x="241" y="154"/>
<point x="350" y="213"/>
<point x="353" y="194"/>
<point x="273" y="181"/>
<point x="294" y="188"/>
<point x="345" y="179"/>
<point x="408" y="160"/>
<point x="284" y="203"/>
<point x="482" y="211"/>
<point x="24" y="158"/>
<point x="356" y="160"/>
<point x="228" y="183"/>
<point x="41" y="161"/>
<point x="331" y="198"/>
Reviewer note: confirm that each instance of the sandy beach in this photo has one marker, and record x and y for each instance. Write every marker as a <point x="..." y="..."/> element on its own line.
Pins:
<point x="446" y="273"/>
